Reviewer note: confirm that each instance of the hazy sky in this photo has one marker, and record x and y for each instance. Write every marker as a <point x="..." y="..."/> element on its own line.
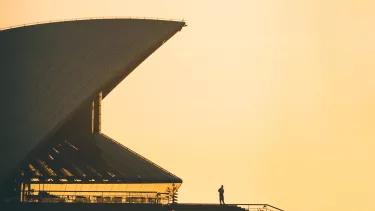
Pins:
<point x="273" y="99"/>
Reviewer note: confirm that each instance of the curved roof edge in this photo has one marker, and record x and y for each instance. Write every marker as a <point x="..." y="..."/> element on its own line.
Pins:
<point x="91" y="18"/>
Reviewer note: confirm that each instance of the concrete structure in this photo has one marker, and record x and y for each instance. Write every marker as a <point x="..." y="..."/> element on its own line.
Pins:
<point x="53" y="77"/>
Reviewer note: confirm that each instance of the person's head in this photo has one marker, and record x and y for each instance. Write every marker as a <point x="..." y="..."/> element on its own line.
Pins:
<point x="222" y="186"/>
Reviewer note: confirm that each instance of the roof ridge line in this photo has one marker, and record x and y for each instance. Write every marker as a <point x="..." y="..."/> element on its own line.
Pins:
<point x="123" y="146"/>
<point x="92" y="18"/>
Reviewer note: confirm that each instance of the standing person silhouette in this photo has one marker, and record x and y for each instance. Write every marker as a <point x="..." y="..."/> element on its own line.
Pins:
<point x="221" y="194"/>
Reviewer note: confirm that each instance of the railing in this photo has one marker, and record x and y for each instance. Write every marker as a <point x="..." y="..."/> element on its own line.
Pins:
<point x="248" y="207"/>
<point x="133" y="197"/>
<point x="91" y="18"/>
<point x="258" y="207"/>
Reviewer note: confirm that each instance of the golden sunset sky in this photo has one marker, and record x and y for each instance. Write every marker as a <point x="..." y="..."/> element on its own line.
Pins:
<point x="275" y="100"/>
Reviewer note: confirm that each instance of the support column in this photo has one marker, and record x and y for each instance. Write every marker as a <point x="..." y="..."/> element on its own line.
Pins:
<point x="97" y="113"/>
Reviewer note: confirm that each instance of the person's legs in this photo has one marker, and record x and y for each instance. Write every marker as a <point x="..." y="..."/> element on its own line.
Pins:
<point x="222" y="199"/>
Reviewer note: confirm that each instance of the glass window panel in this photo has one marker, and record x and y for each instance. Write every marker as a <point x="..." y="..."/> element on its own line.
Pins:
<point x="116" y="193"/>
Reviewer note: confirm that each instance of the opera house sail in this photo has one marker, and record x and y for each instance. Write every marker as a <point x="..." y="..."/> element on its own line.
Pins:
<point x="53" y="79"/>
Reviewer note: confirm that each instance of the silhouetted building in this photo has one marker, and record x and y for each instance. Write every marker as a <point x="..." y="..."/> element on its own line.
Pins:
<point x="53" y="78"/>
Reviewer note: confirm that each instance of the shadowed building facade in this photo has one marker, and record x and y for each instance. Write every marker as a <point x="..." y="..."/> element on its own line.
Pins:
<point x="53" y="78"/>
